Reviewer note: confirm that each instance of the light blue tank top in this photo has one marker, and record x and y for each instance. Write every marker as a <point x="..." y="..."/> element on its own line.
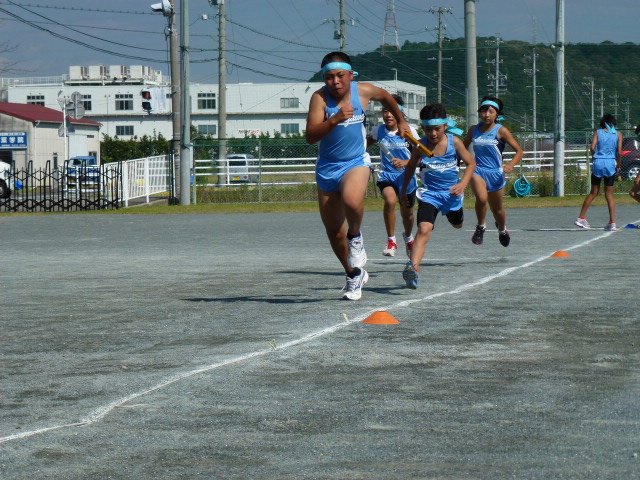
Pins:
<point x="440" y="173"/>
<point x="397" y="145"/>
<point x="487" y="148"/>
<point x="607" y="147"/>
<point x="347" y="140"/>
<point x="604" y="158"/>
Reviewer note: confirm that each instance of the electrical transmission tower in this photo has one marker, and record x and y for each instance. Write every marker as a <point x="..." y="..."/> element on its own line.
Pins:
<point x="390" y="27"/>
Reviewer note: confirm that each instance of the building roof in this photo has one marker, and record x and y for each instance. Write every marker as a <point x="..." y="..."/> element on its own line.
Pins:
<point x="35" y="113"/>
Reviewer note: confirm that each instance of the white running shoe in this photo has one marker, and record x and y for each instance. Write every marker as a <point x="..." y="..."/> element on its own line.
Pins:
<point x="357" y="255"/>
<point x="354" y="285"/>
<point x="392" y="248"/>
<point x="582" y="222"/>
<point x="611" y="227"/>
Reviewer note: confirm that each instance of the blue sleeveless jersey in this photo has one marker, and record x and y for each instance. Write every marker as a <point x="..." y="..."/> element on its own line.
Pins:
<point x="399" y="148"/>
<point x="487" y="148"/>
<point x="347" y="140"/>
<point x="604" y="158"/>
<point x="439" y="173"/>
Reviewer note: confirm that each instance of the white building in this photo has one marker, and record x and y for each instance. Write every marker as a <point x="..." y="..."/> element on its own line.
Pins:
<point x="114" y="96"/>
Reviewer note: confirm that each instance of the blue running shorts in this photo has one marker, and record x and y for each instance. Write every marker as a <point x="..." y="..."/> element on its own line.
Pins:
<point x="494" y="178"/>
<point x="329" y="174"/>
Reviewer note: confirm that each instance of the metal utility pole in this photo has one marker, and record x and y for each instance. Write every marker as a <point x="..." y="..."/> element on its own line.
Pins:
<point x="615" y="105"/>
<point x="534" y="101"/>
<point x="343" y="28"/>
<point x="627" y="109"/>
<point x="186" y="160"/>
<point x="472" y="64"/>
<point x="601" y="91"/>
<point x="558" y="151"/>
<point x="591" y="84"/>
<point x="498" y="79"/>
<point x="222" y="79"/>
<point x="395" y="80"/>
<point x="174" y="61"/>
<point x="168" y="9"/>
<point x="441" y="29"/>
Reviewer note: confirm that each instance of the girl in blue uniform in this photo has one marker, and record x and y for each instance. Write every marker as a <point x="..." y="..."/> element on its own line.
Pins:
<point x="394" y="155"/>
<point x="442" y="190"/>
<point x="606" y="148"/>
<point x="336" y="119"/>
<point x="488" y="139"/>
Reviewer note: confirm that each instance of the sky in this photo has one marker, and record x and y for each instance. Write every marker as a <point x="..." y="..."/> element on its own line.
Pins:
<point x="274" y="40"/>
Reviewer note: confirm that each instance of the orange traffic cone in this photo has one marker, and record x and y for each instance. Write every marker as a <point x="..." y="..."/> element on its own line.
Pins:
<point x="381" y="317"/>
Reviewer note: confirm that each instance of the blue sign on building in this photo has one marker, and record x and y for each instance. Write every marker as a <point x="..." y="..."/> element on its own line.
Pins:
<point x="13" y="140"/>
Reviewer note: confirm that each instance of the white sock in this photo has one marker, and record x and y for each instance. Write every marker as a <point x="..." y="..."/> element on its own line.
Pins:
<point x="393" y="239"/>
<point x="407" y="239"/>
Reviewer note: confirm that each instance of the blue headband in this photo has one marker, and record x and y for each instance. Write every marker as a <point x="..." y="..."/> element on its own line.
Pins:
<point x="610" y="128"/>
<point x="490" y="103"/>
<point x="433" y="122"/>
<point x="338" y="66"/>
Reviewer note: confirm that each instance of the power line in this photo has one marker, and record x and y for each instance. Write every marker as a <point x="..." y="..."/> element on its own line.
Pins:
<point x="81" y="9"/>
<point x="78" y="42"/>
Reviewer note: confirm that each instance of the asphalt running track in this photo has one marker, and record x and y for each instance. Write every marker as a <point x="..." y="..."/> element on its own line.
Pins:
<point x="217" y="346"/>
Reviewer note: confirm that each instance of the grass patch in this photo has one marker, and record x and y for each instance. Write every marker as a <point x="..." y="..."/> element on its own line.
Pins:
<point x="372" y="204"/>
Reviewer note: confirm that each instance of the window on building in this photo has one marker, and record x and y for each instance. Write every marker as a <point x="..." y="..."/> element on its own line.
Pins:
<point x="86" y="102"/>
<point x="124" y="130"/>
<point x="124" y="101"/>
<point x="289" y="102"/>
<point x="206" y="101"/>
<point x="289" y="128"/>
<point x="208" y="129"/>
<point x="35" y="100"/>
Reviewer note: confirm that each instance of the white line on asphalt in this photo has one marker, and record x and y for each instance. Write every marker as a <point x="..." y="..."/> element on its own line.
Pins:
<point x="105" y="410"/>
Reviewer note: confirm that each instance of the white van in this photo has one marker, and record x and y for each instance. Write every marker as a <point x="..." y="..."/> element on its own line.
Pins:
<point x="239" y="168"/>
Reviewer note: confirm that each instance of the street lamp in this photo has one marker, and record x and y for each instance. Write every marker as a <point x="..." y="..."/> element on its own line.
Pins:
<point x="395" y="79"/>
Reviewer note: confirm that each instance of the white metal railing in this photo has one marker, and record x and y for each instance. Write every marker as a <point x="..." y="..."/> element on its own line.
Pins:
<point x="143" y="177"/>
<point x="293" y="171"/>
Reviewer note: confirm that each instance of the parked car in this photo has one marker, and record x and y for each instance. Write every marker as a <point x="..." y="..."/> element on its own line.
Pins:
<point x="239" y="168"/>
<point x="630" y="158"/>
<point x="82" y="169"/>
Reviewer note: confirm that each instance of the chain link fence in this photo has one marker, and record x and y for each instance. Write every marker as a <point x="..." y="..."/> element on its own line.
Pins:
<point x="283" y="169"/>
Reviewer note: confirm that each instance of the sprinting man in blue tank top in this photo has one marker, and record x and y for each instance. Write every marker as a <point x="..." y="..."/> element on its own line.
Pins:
<point x="442" y="190"/>
<point x="395" y="152"/>
<point x="336" y="119"/>
<point x="606" y="148"/>
<point x="487" y="140"/>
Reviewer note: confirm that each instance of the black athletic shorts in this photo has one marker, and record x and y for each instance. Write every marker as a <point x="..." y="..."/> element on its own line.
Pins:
<point x="608" y="181"/>
<point x="411" y="196"/>
<point x="428" y="213"/>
